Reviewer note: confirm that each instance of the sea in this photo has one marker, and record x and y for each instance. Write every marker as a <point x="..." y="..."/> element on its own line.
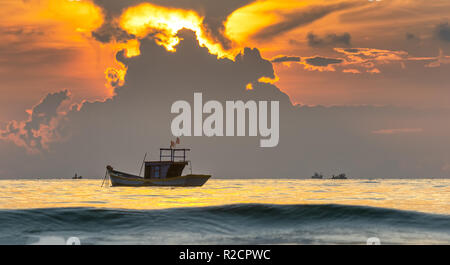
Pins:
<point x="237" y="211"/>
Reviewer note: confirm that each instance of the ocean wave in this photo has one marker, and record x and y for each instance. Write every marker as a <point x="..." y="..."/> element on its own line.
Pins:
<point x="226" y="224"/>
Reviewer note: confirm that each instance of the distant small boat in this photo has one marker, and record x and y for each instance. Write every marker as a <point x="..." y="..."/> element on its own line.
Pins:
<point x="77" y="177"/>
<point x="317" y="176"/>
<point x="160" y="173"/>
<point x="340" y="176"/>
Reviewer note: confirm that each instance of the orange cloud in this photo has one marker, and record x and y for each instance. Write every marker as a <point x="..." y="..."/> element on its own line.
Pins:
<point x="41" y="128"/>
<point x="266" y="19"/>
<point x="351" y="71"/>
<point x="55" y="35"/>
<point x="163" y="24"/>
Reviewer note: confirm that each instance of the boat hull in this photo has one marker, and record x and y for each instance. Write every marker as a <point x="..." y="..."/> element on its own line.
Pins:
<point x="124" y="179"/>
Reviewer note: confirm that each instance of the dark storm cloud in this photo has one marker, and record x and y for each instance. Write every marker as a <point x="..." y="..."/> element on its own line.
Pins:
<point x="330" y="40"/>
<point x="443" y="31"/>
<point x="282" y="59"/>
<point x="46" y="110"/>
<point x="136" y="120"/>
<point x="28" y="133"/>
<point x="322" y="61"/>
<point x="110" y="31"/>
<point x="305" y="16"/>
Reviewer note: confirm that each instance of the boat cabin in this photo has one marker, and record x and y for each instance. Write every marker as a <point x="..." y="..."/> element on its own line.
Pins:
<point x="171" y="164"/>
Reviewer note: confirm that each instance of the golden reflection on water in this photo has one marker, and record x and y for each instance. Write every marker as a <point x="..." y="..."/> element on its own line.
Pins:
<point x="424" y="195"/>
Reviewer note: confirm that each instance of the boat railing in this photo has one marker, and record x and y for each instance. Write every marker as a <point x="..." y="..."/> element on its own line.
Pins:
<point x="175" y="155"/>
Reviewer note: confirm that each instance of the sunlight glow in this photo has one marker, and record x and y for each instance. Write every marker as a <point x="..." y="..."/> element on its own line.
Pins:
<point x="164" y="23"/>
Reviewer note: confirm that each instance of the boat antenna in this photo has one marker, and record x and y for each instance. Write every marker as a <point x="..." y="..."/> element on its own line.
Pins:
<point x="142" y="165"/>
<point x="106" y="173"/>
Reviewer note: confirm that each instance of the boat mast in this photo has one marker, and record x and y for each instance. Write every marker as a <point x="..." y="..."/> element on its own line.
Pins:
<point x="143" y="161"/>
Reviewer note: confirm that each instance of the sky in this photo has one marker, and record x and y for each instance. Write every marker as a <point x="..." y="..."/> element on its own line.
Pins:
<point x="363" y="85"/>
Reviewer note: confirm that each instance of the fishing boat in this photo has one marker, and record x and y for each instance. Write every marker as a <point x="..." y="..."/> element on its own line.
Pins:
<point x="340" y="176"/>
<point x="317" y="176"/>
<point x="165" y="172"/>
